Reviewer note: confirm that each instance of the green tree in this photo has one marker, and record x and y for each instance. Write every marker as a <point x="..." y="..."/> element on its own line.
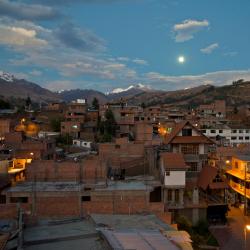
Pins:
<point x="110" y="123"/>
<point x="56" y="124"/>
<point x="95" y="104"/>
<point x="107" y="128"/>
<point x="4" y="104"/>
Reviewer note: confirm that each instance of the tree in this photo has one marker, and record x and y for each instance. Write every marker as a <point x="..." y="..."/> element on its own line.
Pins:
<point x="95" y="104"/>
<point x="56" y="124"/>
<point x="28" y="102"/>
<point x="4" y="104"/>
<point x="108" y="127"/>
<point x="109" y="123"/>
<point x="143" y="105"/>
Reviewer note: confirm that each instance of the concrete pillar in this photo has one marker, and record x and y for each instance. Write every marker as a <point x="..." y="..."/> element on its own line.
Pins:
<point x="196" y="196"/>
<point x="181" y="194"/>
<point x="195" y="216"/>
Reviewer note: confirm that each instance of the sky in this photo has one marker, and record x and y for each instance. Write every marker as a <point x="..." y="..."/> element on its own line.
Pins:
<point x="106" y="44"/>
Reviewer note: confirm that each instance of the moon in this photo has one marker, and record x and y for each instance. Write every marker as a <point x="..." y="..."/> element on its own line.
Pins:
<point x="181" y="59"/>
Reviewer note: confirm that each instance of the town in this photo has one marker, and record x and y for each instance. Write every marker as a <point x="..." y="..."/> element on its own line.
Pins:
<point x="75" y="161"/>
<point x="124" y="125"/>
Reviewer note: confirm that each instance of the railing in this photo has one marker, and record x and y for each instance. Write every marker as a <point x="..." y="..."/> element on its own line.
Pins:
<point x="213" y="199"/>
<point x="239" y="188"/>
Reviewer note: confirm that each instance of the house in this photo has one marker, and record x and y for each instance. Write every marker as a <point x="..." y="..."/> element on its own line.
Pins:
<point x="173" y="173"/>
<point x="214" y="188"/>
<point x="239" y="178"/>
<point x="187" y="140"/>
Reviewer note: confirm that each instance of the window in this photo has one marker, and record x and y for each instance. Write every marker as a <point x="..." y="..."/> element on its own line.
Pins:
<point x="236" y="164"/>
<point x="220" y="131"/>
<point x="167" y="173"/>
<point x="193" y="166"/>
<point x="18" y="199"/>
<point x="190" y="149"/>
<point x="248" y="167"/>
<point x="247" y="138"/>
<point x="86" y="198"/>
<point x="213" y="131"/>
<point x="117" y="146"/>
<point x="240" y="131"/>
<point x="203" y="131"/>
<point x="187" y="132"/>
<point x="234" y="131"/>
<point x="240" y="137"/>
<point x="233" y="138"/>
<point x="169" y="195"/>
<point x="217" y="179"/>
<point x="2" y="199"/>
<point x="247" y="131"/>
<point x="177" y="195"/>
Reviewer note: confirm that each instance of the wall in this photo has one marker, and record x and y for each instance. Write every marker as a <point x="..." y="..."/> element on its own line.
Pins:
<point x="176" y="178"/>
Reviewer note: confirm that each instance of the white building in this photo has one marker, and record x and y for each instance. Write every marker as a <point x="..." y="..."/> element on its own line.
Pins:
<point x="82" y="143"/>
<point x="173" y="173"/>
<point x="234" y="136"/>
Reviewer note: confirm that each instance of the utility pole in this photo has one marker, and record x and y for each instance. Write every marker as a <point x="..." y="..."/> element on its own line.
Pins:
<point x="245" y="205"/>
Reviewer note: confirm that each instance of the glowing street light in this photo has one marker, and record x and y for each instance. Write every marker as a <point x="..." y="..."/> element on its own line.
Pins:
<point x="246" y="229"/>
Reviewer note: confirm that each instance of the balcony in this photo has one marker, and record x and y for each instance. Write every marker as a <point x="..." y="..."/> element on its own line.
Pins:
<point x="239" y="188"/>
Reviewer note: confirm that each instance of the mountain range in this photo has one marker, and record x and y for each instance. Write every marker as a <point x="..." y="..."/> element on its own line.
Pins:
<point x="236" y="94"/>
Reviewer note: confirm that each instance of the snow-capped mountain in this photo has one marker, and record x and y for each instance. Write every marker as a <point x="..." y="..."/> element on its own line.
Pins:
<point x="6" y="76"/>
<point x="11" y="86"/>
<point x="138" y="86"/>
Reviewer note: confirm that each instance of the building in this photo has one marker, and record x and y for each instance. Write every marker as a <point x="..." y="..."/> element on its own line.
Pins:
<point x="229" y="135"/>
<point x="186" y="140"/>
<point x="173" y="173"/>
<point x="216" y="109"/>
<point x="239" y="178"/>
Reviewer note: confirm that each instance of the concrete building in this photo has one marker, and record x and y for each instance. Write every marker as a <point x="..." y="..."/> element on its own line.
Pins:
<point x="173" y="173"/>
<point x="239" y="178"/>
<point x="232" y="136"/>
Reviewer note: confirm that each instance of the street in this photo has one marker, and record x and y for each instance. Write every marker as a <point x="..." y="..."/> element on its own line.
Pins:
<point x="232" y="236"/>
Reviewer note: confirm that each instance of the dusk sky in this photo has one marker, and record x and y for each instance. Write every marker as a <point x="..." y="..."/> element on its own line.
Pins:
<point x="105" y="44"/>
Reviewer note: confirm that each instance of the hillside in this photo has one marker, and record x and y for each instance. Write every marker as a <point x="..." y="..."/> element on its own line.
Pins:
<point x="20" y="88"/>
<point x="235" y="94"/>
<point x="89" y="94"/>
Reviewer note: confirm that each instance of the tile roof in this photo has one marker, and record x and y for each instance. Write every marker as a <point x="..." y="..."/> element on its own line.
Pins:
<point x="207" y="176"/>
<point x="191" y="139"/>
<point x="179" y="126"/>
<point x="173" y="161"/>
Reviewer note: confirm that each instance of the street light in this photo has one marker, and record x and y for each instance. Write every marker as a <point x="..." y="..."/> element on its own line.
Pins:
<point x="246" y="229"/>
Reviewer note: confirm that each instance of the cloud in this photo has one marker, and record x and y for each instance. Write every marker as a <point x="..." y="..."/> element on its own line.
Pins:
<point x="22" y="11"/>
<point x="60" y="85"/>
<point x="36" y="72"/>
<point x="19" y="36"/>
<point x="217" y="78"/>
<point x="80" y="39"/>
<point x="209" y="49"/>
<point x="123" y="58"/>
<point x="140" y="61"/>
<point x="70" y="2"/>
<point x="231" y="53"/>
<point x="185" y="31"/>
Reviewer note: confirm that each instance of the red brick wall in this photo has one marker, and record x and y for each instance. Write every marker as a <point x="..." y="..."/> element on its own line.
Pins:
<point x="48" y="170"/>
<point x="49" y="207"/>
